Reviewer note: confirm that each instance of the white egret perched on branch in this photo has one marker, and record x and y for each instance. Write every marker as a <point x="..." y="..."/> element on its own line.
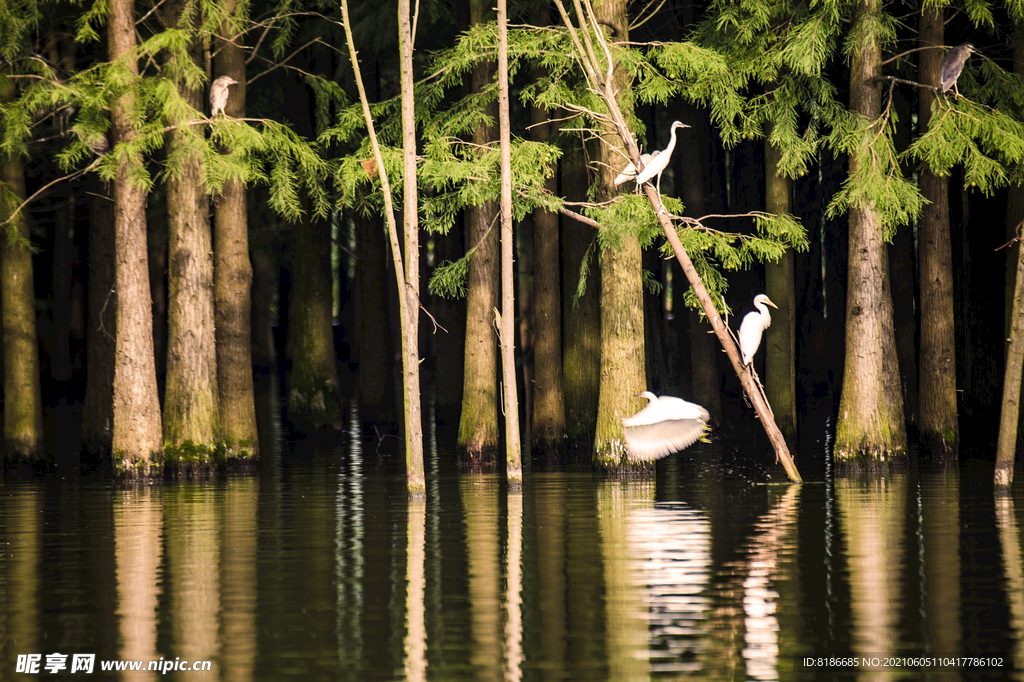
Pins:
<point x="665" y="426"/>
<point x="629" y="172"/>
<point x="219" y="94"/>
<point x="660" y="162"/>
<point x="753" y="327"/>
<point x="953" y="64"/>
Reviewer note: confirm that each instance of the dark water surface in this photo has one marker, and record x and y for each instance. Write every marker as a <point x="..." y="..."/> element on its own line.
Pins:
<point x="318" y="568"/>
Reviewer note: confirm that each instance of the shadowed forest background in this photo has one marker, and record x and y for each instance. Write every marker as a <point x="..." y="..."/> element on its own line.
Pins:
<point x="158" y="258"/>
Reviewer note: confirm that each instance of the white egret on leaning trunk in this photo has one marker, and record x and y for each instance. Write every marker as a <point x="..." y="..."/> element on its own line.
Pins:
<point x="753" y="327"/>
<point x="629" y="172"/>
<point x="660" y="162"/>
<point x="665" y="426"/>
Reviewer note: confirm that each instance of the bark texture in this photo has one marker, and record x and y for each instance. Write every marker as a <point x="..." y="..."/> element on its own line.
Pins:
<point x="232" y="271"/>
<point x="23" y="406"/>
<point x="780" y="285"/>
<point x="937" y="420"/>
<point x="622" y="312"/>
<point x="870" y="424"/>
<point x="137" y="435"/>
<point x="478" y="425"/>
<point x="191" y="411"/>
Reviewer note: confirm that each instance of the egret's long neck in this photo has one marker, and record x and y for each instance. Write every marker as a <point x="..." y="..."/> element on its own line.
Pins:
<point x="671" y="142"/>
<point x="765" y="315"/>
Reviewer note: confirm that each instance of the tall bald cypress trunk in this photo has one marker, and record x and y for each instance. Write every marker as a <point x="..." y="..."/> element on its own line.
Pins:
<point x="937" y="421"/>
<point x="622" y="312"/>
<point x="232" y="272"/>
<point x="870" y="424"/>
<point x="23" y="405"/>
<point x="137" y="439"/>
<point x="780" y="285"/>
<point x="478" y="425"/>
<point x="191" y="410"/>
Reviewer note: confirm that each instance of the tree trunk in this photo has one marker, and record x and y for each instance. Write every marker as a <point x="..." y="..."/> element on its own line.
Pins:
<point x="409" y="290"/>
<point x="137" y="429"/>
<point x="191" y="412"/>
<point x="314" y="393"/>
<point x="478" y="426"/>
<point x="548" y="397"/>
<point x="513" y="448"/>
<point x="937" y="422"/>
<point x="780" y="285"/>
<point x="232" y="283"/>
<point x="622" y="312"/>
<point x="581" y="323"/>
<point x="63" y="263"/>
<point x="98" y="410"/>
<point x="373" y="347"/>
<point x="870" y="427"/>
<point x="23" y="406"/>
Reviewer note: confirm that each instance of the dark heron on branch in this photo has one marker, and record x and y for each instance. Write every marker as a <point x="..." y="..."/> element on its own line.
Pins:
<point x="953" y="64"/>
<point x="219" y="94"/>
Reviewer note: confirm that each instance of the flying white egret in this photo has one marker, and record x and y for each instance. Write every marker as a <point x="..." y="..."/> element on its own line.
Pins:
<point x="629" y="172"/>
<point x="219" y="94"/>
<point x="753" y="327"/>
<point x="665" y="426"/>
<point x="953" y="64"/>
<point x="660" y="163"/>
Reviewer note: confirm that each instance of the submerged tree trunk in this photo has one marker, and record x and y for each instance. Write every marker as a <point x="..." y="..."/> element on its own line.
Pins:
<point x="938" y="428"/>
<point x="622" y="312"/>
<point x="581" y="321"/>
<point x="548" y="396"/>
<point x="232" y="283"/>
<point x="137" y="429"/>
<point x="780" y="285"/>
<point x="98" y="410"/>
<point x="23" y="406"/>
<point x="478" y="425"/>
<point x="191" y="412"/>
<point x="870" y="422"/>
<point x="314" y="393"/>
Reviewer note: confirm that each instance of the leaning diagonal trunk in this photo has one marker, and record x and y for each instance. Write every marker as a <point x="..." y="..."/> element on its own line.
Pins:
<point x="937" y="418"/>
<point x="232" y="281"/>
<point x="870" y="421"/>
<point x="137" y="438"/>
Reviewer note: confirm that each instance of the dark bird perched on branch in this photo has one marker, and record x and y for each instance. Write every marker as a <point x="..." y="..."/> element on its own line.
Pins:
<point x="219" y="94"/>
<point x="953" y="64"/>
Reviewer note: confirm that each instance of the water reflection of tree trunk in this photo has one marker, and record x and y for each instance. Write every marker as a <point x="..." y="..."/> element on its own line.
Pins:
<point x="625" y="601"/>
<point x="193" y="560"/>
<point x="349" y="551"/>
<point x="480" y="503"/>
<point x="771" y="561"/>
<point x="138" y="522"/>
<point x="549" y="509"/>
<point x="238" y="580"/>
<point x="872" y="512"/>
<point x="940" y="514"/>
<point x="1013" y="571"/>
<point x="415" y="582"/>
<point x="514" y="589"/>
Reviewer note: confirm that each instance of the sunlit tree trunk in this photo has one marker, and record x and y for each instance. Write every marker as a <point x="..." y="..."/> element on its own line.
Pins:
<point x="581" y="321"/>
<point x="937" y="421"/>
<point x="137" y="428"/>
<point x="622" y="312"/>
<point x="478" y="426"/>
<point x="232" y="282"/>
<point x="23" y="406"/>
<point x="871" y="408"/>
<point x="780" y="285"/>
<point x="98" y="409"/>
